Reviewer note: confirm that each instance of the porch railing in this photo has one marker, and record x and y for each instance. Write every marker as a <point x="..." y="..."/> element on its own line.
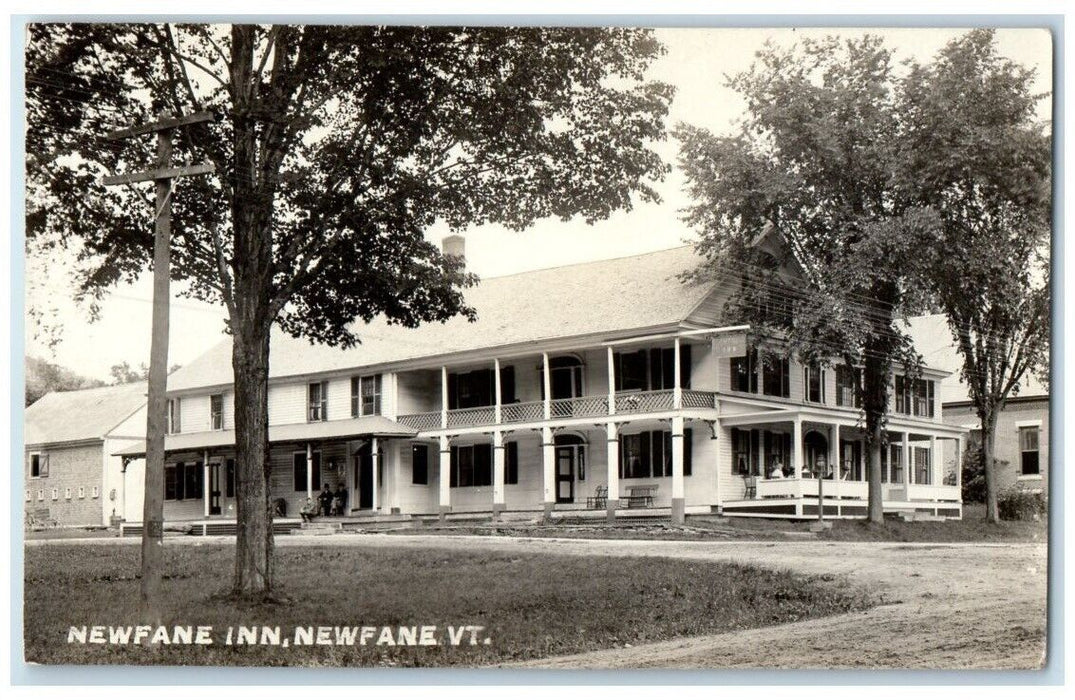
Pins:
<point x="579" y="407"/>
<point x="526" y="412"/>
<point x="420" y="421"/>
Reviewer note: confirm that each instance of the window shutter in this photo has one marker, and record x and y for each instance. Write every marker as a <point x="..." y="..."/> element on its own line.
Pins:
<point x="180" y="481"/>
<point x="647" y="464"/>
<point x="43" y="466"/>
<point x="317" y="471"/>
<point x="511" y="463"/>
<point x="453" y="470"/>
<point x="619" y="445"/>
<point x="299" y="471"/>
<point x="688" y="450"/>
<point x="229" y="479"/>
<point x="507" y="384"/>
<point x="685" y="365"/>
<point x="483" y="465"/>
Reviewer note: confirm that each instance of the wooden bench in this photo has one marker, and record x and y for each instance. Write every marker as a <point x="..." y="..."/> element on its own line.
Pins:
<point x="640" y="496"/>
<point x="599" y="499"/>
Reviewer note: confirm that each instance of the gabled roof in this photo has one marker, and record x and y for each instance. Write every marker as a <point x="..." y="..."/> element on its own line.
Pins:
<point x="933" y="340"/>
<point x="86" y="414"/>
<point x="607" y="296"/>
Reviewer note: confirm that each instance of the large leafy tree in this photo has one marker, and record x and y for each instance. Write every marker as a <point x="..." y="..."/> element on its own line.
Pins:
<point x="813" y="160"/>
<point x="337" y="148"/>
<point x="976" y="154"/>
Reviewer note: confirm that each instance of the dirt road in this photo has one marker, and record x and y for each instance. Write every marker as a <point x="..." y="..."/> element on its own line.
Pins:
<point x="946" y="606"/>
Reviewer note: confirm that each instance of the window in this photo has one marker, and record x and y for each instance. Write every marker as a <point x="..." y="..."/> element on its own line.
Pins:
<point x="174" y="418"/>
<point x="913" y="398"/>
<point x="776" y="452"/>
<point x="366" y="396"/>
<point x="471" y="465"/>
<point x="922" y="466"/>
<point x="647" y="454"/>
<point x="183" y="481"/>
<point x="892" y="464"/>
<point x="55" y="494"/>
<point x="743" y="377"/>
<point x="96" y="491"/>
<point x="654" y="370"/>
<point x="29" y="496"/>
<point x="67" y="493"/>
<point x="775" y="373"/>
<point x="39" y="465"/>
<point x="813" y="383"/>
<point x="216" y="411"/>
<point x="41" y="494"/>
<point x="1028" y="448"/>
<point x="300" y="471"/>
<point x="317" y="404"/>
<point x="419" y="464"/>
<point x="742" y="452"/>
<point x="846" y="395"/>
<point x="478" y="388"/>
<point x="81" y="491"/>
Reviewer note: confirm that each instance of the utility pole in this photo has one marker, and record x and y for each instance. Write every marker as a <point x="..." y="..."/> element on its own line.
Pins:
<point x="156" y="422"/>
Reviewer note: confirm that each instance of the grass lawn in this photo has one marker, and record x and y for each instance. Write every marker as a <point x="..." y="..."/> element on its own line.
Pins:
<point x="530" y="605"/>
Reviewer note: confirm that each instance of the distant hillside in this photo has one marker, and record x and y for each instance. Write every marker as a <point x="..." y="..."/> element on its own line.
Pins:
<point x="43" y="376"/>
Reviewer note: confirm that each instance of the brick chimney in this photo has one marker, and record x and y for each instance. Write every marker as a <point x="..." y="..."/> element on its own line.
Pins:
<point x="454" y="245"/>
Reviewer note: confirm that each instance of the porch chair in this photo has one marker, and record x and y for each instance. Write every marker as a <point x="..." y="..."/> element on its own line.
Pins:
<point x="599" y="499"/>
<point x="751" y="485"/>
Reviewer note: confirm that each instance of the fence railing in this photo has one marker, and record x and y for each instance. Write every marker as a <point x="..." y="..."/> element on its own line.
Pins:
<point x="644" y="402"/>
<point x="579" y="407"/>
<point x="522" y="412"/>
<point x="420" y="421"/>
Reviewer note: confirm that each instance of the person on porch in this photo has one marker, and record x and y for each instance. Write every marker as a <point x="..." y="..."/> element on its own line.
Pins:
<point x="339" y="500"/>
<point x="308" y="511"/>
<point x="325" y="499"/>
<point x="776" y="471"/>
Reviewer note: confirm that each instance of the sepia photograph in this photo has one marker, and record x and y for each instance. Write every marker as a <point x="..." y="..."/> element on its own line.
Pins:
<point x="535" y="345"/>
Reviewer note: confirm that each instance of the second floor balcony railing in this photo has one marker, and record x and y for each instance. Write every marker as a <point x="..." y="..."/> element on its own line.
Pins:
<point x="628" y="403"/>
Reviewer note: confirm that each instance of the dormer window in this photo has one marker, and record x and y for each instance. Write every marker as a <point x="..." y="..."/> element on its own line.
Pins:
<point x="317" y="402"/>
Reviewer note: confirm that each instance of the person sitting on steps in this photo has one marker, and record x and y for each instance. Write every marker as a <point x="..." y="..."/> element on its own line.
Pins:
<point x="308" y="511"/>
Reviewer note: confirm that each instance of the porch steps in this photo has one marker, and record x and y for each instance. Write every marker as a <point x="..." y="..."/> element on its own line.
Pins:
<point x="320" y="528"/>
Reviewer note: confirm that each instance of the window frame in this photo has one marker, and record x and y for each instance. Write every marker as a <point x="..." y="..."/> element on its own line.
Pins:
<point x="216" y="411"/>
<point x="813" y="374"/>
<point x="42" y="465"/>
<point x="315" y="456"/>
<point x="320" y="408"/>
<point x="174" y="417"/>
<point x="1024" y="452"/>
<point x="359" y="395"/>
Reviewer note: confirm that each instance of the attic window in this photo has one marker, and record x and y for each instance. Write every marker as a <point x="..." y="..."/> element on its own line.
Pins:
<point x="39" y="465"/>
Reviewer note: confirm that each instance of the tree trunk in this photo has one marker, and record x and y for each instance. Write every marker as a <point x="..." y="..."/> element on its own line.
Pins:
<point x="254" y="539"/>
<point x="989" y="431"/>
<point x="875" y="406"/>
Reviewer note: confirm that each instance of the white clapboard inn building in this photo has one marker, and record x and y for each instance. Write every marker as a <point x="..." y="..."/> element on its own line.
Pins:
<point x="596" y="389"/>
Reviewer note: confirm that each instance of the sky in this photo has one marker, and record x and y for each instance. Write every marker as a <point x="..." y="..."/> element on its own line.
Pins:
<point x="696" y="63"/>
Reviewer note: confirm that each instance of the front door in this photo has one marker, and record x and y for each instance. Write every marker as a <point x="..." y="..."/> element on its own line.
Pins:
<point x="364" y="478"/>
<point x="565" y="474"/>
<point x="214" y="489"/>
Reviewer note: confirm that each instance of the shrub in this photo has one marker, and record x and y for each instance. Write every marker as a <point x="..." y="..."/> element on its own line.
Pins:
<point x="973" y="476"/>
<point x="1018" y="504"/>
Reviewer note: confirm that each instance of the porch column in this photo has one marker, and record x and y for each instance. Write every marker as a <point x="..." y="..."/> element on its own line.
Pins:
<point x="678" y="490"/>
<point x="834" y="452"/>
<point x="611" y="384"/>
<point x="498" y="468"/>
<point x="497" y="390"/>
<point x="445" y="483"/>
<point x="612" y="501"/>
<point x="677" y="390"/>
<point x="797" y="446"/>
<point x="934" y="463"/>
<point x="547" y="383"/>
<point x="309" y="471"/>
<point x="205" y="481"/>
<point x="376" y="459"/>
<point x="548" y="453"/>
<point x="961" y="445"/>
<point x="905" y="450"/>
<point x="443" y="397"/>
